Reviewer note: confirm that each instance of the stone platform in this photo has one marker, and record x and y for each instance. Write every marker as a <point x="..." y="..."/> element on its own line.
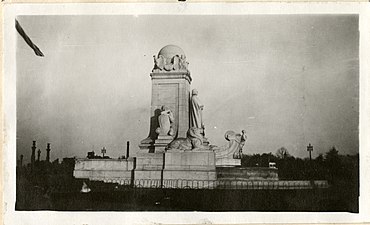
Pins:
<point x="107" y="170"/>
<point x="228" y="162"/>
<point x="198" y="165"/>
<point x="189" y="166"/>
<point x="184" y="170"/>
<point x="165" y="167"/>
<point x="247" y="173"/>
<point x="149" y="166"/>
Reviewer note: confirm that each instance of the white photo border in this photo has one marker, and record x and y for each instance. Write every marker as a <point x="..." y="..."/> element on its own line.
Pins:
<point x="179" y="8"/>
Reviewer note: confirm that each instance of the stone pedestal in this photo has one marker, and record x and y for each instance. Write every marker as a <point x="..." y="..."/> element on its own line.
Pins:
<point x="193" y="166"/>
<point x="171" y="89"/>
<point x="149" y="166"/>
<point x="185" y="165"/>
<point x="161" y="142"/>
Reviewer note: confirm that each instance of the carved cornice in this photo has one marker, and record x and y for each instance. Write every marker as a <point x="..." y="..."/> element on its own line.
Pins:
<point x="171" y="75"/>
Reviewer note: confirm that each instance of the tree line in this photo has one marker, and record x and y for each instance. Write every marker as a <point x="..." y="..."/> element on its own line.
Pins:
<point x="331" y="166"/>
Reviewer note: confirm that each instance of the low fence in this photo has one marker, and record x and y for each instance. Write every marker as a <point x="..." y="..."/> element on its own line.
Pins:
<point x="218" y="184"/>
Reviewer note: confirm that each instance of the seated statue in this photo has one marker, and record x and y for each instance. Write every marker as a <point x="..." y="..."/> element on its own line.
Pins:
<point x="193" y="141"/>
<point x="159" y="63"/>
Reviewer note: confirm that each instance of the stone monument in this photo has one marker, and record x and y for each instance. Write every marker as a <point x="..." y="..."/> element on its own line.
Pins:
<point x="170" y="88"/>
<point x="169" y="111"/>
<point x="174" y="148"/>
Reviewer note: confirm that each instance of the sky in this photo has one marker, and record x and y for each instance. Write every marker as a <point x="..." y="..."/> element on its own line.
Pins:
<point x="288" y="80"/>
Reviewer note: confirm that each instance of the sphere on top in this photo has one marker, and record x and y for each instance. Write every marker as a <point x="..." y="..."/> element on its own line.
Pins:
<point x="170" y="51"/>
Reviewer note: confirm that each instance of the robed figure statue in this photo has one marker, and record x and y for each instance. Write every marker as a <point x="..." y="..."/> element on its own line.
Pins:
<point x="196" y="111"/>
<point x="165" y="121"/>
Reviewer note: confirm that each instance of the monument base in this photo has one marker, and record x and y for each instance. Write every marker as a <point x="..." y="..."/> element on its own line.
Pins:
<point x="149" y="161"/>
<point x="161" y="143"/>
<point x="107" y="170"/>
<point x="147" y="145"/>
<point x="190" y="165"/>
<point x="157" y="146"/>
<point x="205" y="141"/>
<point x="149" y="166"/>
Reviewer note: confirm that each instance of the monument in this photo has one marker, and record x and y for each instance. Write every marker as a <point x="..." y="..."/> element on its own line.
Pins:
<point x="176" y="148"/>
<point x="170" y="89"/>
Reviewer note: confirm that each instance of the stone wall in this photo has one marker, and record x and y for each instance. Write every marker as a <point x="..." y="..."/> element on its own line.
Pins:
<point x="197" y="165"/>
<point x="104" y="169"/>
<point x="249" y="173"/>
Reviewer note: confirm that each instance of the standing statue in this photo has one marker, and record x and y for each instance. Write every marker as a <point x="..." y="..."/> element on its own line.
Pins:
<point x="241" y="139"/>
<point x="183" y="63"/>
<point x="176" y="62"/>
<point x="196" y="114"/>
<point x="165" y="120"/>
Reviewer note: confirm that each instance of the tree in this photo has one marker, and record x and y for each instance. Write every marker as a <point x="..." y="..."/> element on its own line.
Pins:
<point x="320" y="158"/>
<point x="332" y="155"/>
<point x="332" y="159"/>
<point x="333" y="165"/>
<point x="282" y="153"/>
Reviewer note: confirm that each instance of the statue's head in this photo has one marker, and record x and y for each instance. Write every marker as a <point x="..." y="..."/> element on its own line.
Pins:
<point x="194" y="132"/>
<point x="164" y="108"/>
<point x="194" y="92"/>
<point x="243" y="132"/>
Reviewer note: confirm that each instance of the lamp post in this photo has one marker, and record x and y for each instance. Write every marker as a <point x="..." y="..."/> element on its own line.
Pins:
<point x="103" y="151"/>
<point x="310" y="149"/>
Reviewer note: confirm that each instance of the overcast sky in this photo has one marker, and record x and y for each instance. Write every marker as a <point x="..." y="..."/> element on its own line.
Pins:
<point x="286" y="80"/>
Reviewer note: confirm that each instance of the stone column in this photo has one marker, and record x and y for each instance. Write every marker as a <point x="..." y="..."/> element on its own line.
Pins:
<point x="38" y="155"/>
<point x="33" y="154"/>
<point x="171" y="88"/>
<point x="48" y="152"/>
